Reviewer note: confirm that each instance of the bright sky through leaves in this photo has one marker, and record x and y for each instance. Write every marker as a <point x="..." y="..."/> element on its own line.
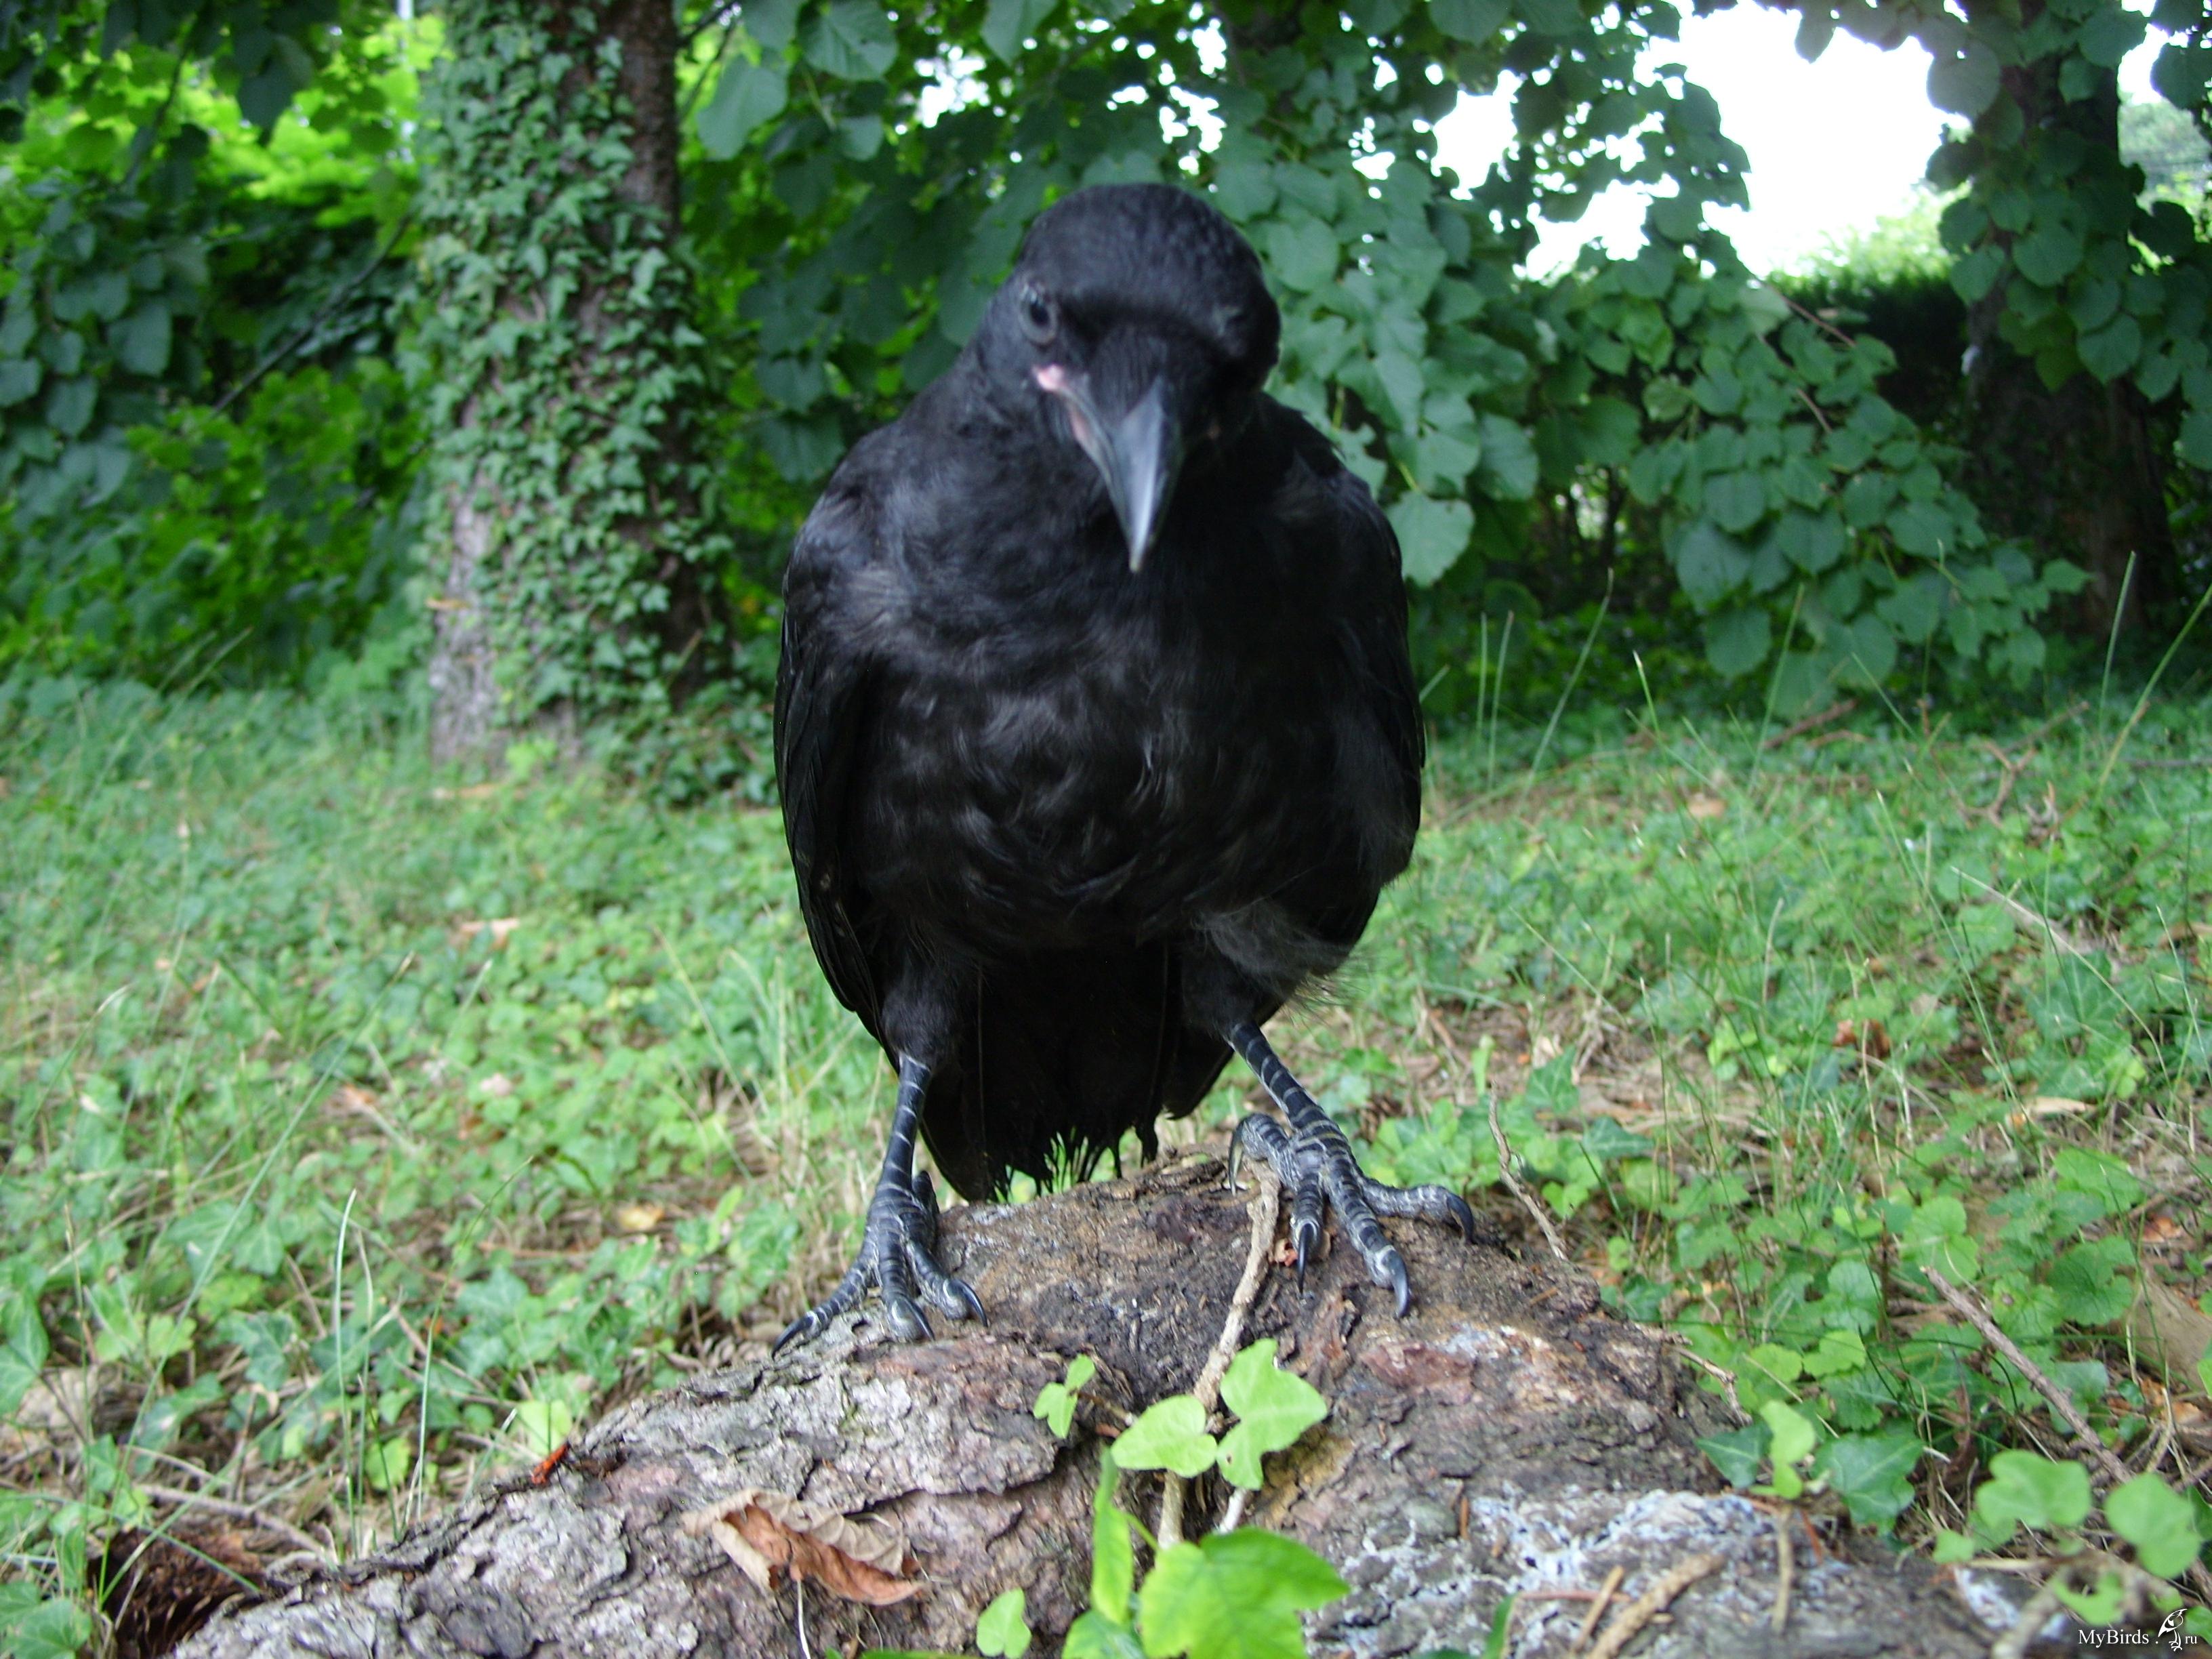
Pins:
<point x="1834" y="145"/>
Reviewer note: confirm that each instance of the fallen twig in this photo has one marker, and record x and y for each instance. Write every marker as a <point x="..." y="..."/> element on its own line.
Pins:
<point x="1263" y="1210"/>
<point x="284" y="1529"/>
<point x="1598" y="1605"/>
<point x="1513" y="1182"/>
<point x="1834" y="711"/>
<point x="1649" y="1605"/>
<point x="2061" y="1401"/>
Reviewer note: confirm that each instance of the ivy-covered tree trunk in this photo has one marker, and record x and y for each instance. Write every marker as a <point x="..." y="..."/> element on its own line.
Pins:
<point x="576" y="560"/>
<point x="2073" y="470"/>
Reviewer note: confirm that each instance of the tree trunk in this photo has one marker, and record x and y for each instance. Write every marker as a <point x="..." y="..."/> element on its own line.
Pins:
<point x="1507" y="1437"/>
<point x="576" y="563"/>
<point x="2075" y="471"/>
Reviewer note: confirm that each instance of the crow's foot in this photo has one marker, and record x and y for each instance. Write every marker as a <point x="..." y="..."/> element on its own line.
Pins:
<point x="1313" y="1162"/>
<point x="898" y="1246"/>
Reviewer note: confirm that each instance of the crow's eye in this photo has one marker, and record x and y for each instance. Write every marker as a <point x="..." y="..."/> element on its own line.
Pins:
<point x="1039" y="320"/>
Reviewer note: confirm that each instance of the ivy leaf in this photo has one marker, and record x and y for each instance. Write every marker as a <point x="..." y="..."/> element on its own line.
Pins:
<point x="1792" y="1444"/>
<point x="1094" y="1636"/>
<point x="1975" y="274"/>
<point x="1003" y="1632"/>
<point x="385" y="1462"/>
<point x="1010" y="22"/>
<point x="1113" y="1557"/>
<point x="1872" y="1474"/>
<point x="2048" y="255"/>
<point x="1241" y="1593"/>
<point x="1737" y="501"/>
<point x="1737" y="642"/>
<point x="851" y="40"/>
<point x="1923" y="528"/>
<point x="2093" y="1281"/>
<point x="1472" y="21"/>
<point x="1273" y="1407"/>
<point x="1966" y="84"/>
<point x="1301" y="251"/>
<point x="1431" y="535"/>
<point x="141" y="339"/>
<point x="52" y="1629"/>
<point x="1812" y="543"/>
<point x="1169" y="1434"/>
<point x="2025" y="1489"/>
<point x="1610" y="428"/>
<point x="1839" y="1351"/>
<point x="19" y="380"/>
<point x="747" y="96"/>
<point x="2111" y="34"/>
<point x="2112" y="351"/>
<point x="1709" y="563"/>
<point x="2196" y="445"/>
<point x="860" y="136"/>
<point x="69" y="405"/>
<point x="1738" y="1454"/>
<point x="22" y="1352"/>
<point x="2158" y="1520"/>
<point x="1915" y="608"/>
<point x="1400" y="377"/>
<point x="1508" y="471"/>
<point x="1055" y="1401"/>
<point x="772" y="24"/>
<point x="1815" y="29"/>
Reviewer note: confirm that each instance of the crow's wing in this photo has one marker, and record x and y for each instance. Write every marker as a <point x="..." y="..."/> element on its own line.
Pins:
<point x="1375" y="621"/>
<point x="822" y="689"/>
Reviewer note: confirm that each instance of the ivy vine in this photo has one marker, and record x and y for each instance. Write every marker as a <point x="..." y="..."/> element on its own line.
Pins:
<point x="562" y="368"/>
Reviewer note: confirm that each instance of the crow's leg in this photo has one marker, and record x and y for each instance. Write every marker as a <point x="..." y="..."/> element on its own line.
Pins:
<point x="898" y="1247"/>
<point x="1314" y="1160"/>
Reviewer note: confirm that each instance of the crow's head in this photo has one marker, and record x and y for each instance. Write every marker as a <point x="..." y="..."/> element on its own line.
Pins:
<point x="1138" y="327"/>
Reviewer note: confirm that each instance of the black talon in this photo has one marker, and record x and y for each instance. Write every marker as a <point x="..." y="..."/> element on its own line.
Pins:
<point x="898" y="1245"/>
<point x="1315" y="1161"/>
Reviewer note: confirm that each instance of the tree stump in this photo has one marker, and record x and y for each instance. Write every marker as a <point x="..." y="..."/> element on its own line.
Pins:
<point x="1509" y="1435"/>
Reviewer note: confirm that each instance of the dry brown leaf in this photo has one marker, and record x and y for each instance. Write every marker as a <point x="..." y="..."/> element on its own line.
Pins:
<point x="1707" y="806"/>
<point x="499" y="928"/>
<point x="2172" y="1332"/>
<point x="1870" y="1037"/>
<point x="859" y="1556"/>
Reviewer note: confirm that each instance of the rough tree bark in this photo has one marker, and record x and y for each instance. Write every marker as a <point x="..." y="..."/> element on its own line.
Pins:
<point x="1507" y="1437"/>
<point x="576" y="578"/>
<point x="2073" y="471"/>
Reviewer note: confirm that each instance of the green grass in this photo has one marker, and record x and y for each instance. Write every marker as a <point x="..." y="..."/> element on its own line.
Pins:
<point x="362" y="1131"/>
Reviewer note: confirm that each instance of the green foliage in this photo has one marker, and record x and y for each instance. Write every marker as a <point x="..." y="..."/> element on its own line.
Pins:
<point x="1800" y="513"/>
<point x="170" y="497"/>
<point x="1003" y="1632"/>
<point x="1231" y="1594"/>
<point x="562" y="367"/>
<point x="1055" y="1403"/>
<point x="1273" y="1407"/>
<point x="584" y="1002"/>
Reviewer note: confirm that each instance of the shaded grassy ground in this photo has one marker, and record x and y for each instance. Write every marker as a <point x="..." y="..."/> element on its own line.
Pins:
<point x="361" y="1130"/>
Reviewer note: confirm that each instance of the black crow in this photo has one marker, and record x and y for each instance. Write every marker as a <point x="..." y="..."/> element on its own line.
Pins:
<point x="1097" y="734"/>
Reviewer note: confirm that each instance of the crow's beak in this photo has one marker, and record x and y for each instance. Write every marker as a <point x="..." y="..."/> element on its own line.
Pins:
<point x="1138" y="453"/>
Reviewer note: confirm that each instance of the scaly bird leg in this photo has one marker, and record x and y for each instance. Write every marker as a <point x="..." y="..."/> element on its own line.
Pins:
<point x="898" y="1247"/>
<point x="1314" y="1164"/>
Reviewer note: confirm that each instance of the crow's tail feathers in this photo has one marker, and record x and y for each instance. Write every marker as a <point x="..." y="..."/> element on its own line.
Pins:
<point x="1070" y="1051"/>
